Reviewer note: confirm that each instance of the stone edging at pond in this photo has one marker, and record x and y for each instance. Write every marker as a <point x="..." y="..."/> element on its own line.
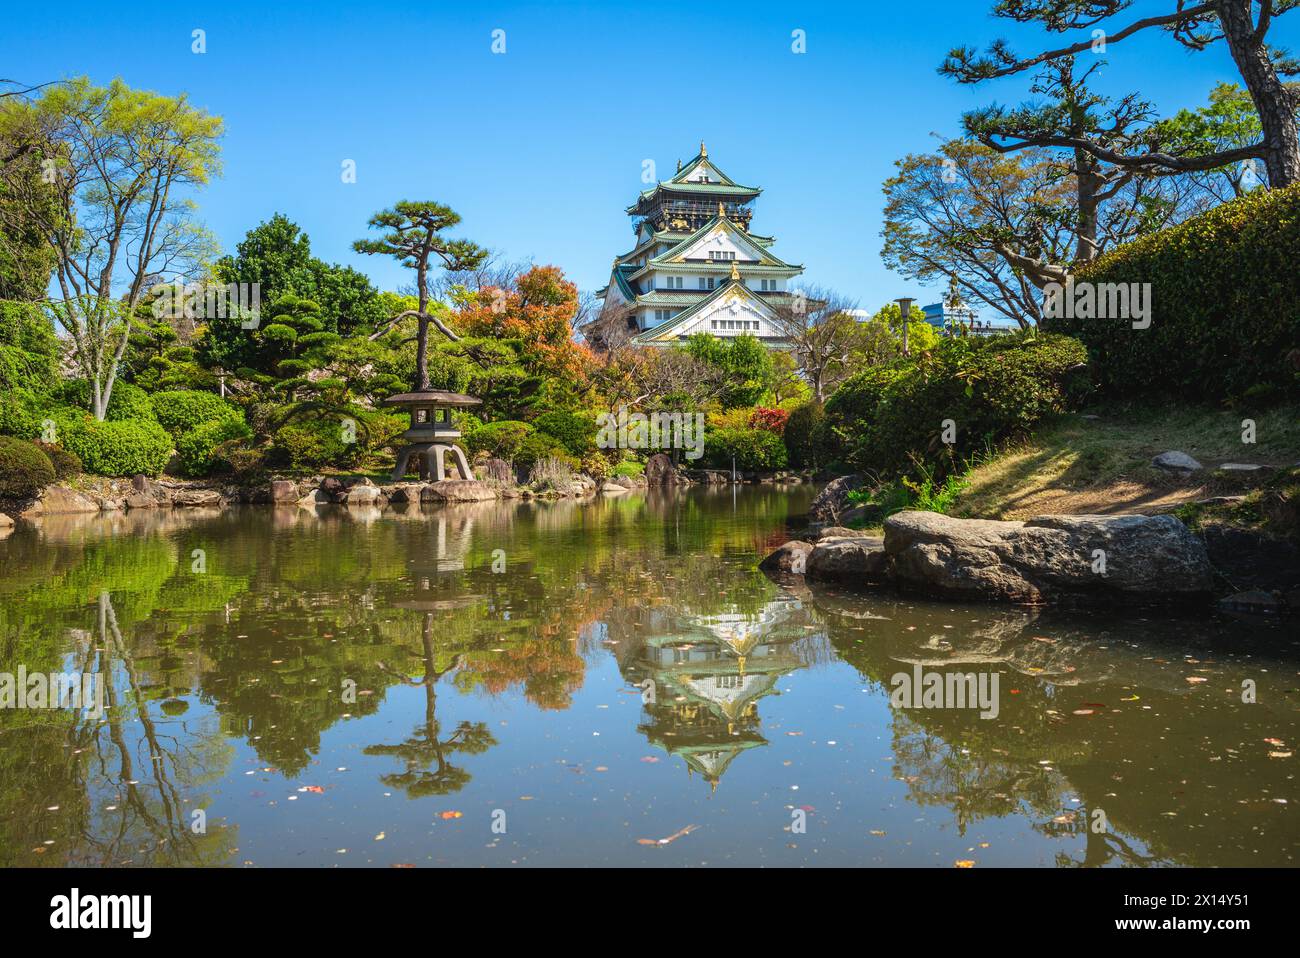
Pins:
<point x="140" y="492"/>
<point x="1074" y="560"/>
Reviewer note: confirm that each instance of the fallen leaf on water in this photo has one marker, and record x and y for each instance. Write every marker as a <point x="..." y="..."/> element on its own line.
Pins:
<point x="877" y="831"/>
<point x="1131" y="698"/>
<point x="446" y="815"/>
<point x="401" y="865"/>
<point x="1276" y="741"/>
<point x="671" y="838"/>
<point x="1082" y="711"/>
<point x="964" y="863"/>
<point x="651" y="759"/>
<point x="1195" y="679"/>
<point x="1279" y="754"/>
<point x="312" y="788"/>
<point x="380" y="837"/>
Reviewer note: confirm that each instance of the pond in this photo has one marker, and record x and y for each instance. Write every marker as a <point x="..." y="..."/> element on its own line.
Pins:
<point x="602" y="683"/>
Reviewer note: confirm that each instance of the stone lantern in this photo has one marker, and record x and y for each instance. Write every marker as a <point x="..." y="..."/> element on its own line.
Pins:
<point x="432" y="435"/>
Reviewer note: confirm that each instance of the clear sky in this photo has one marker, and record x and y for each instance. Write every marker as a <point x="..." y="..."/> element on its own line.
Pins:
<point x="540" y="149"/>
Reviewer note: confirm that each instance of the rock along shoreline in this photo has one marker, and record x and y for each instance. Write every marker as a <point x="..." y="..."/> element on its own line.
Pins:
<point x="1070" y="560"/>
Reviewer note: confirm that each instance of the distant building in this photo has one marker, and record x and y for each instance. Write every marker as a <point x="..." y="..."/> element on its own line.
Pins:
<point x="958" y="319"/>
<point x="695" y="266"/>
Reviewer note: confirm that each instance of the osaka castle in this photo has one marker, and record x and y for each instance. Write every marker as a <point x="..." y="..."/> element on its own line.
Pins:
<point x="695" y="266"/>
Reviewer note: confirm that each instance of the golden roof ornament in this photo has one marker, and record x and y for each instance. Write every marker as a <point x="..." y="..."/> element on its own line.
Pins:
<point x="722" y="211"/>
<point x="679" y="166"/>
<point x="703" y="151"/>
<point x="735" y="273"/>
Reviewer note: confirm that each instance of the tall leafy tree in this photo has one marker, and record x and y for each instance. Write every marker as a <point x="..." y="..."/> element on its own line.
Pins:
<point x="414" y="236"/>
<point x="536" y="309"/>
<point x="1243" y="25"/>
<point x="121" y="162"/>
<point x="277" y="256"/>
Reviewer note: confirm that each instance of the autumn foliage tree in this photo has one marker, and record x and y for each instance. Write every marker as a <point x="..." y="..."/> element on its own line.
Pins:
<point x="536" y="310"/>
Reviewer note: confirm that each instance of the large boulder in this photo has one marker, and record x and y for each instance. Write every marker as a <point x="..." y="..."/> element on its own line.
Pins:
<point x="833" y="501"/>
<point x="1048" y="558"/>
<point x="404" y="493"/>
<point x="364" y="494"/>
<point x="60" y="500"/>
<point x="196" y="498"/>
<point x="792" y="558"/>
<point x="659" y="470"/>
<point x="283" y="492"/>
<point x="859" y="561"/>
<point x="457" y="490"/>
<point x="837" y="532"/>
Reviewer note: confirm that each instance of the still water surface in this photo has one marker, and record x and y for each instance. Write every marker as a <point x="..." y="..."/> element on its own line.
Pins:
<point x="605" y="683"/>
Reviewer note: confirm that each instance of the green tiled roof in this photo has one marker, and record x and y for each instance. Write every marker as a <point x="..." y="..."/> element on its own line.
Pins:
<point x="658" y="331"/>
<point x="768" y="259"/>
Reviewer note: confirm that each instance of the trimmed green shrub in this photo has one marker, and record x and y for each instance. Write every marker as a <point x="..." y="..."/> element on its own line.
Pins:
<point x="314" y="444"/>
<point x="538" y="446"/>
<point x="891" y="420"/>
<point x="755" y="450"/>
<point x="181" y="410"/>
<point x="501" y="440"/>
<point x="66" y="464"/>
<point x="576" y="432"/>
<point x="20" y="412"/>
<point x="805" y="437"/>
<point x="199" y="449"/>
<point x="117" y="448"/>
<point x="1225" y="305"/>
<point x="126" y="402"/>
<point x="631" y="468"/>
<point x="24" y="469"/>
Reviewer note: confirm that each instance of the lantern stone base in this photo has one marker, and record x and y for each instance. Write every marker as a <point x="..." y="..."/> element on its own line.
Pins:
<point x="431" y="461"/>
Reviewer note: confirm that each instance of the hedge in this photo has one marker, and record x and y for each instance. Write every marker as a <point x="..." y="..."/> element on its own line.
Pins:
<point x="24" y="469"/>
<point x="117" y="447"/>
<point x="501" y="440"/>
<point x="65" y="463"/>
<point x="805" y="436"/>
<point x="1225" y="295"/>
<point x="181" y="410"/>
<point x="754" y="449"/>
<point x="890" y="420"/>
<point x="576" y="432"/>
<point x="198" y="448"/>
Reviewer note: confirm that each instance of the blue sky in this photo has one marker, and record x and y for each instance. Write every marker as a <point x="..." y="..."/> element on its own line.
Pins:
<point x="541" y="149"/>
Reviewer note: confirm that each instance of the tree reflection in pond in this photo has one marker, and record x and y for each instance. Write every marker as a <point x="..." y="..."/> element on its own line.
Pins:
<point x="569" y="662"/>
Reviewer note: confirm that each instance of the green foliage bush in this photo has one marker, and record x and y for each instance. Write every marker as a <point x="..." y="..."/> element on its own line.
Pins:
<point x="314" y="444"/>
<point x="199" y="448"/>
<point x="501" y="440"/>
<point x="755" y="450"/>
<point x="126" y="402"/>
<point x="575" y="431"/>
<point x="66" y="464"/>
<point x="539" y="446"/>
<point x="1225" y="297"/>
<point x="24" y="469"/>
<point x="889" y="420"/>
<point x="117" y="447"/>
<point x="181" y="410"/>
<point x="805" y="437"/>
<point x="630" y="468"/>
<point x="29" y="353"/>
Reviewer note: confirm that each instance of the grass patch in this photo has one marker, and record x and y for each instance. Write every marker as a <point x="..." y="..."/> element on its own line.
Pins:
<point x="1078" y="464"/>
